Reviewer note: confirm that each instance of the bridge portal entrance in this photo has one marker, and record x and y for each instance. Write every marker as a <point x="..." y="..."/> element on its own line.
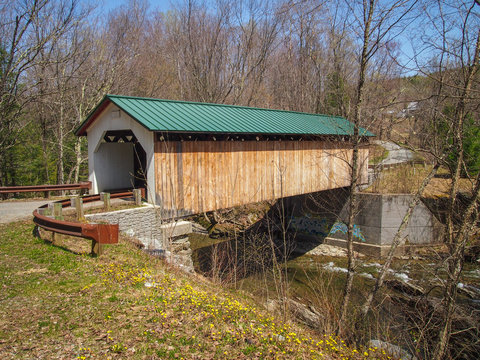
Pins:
<point x="120" y="161"/>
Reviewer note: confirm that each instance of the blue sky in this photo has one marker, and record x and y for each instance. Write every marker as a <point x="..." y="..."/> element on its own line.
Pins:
<point x="406" y="47"/>
<point x="162" y="5"/>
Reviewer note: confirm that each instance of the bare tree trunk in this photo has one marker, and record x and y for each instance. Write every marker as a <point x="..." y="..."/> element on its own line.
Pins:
<point x="60" y="175"/>
<point x="45" y="154"/>
<point x="456" y="239"/>
<point x="354" y="180"/>
<point x="350" y="253"/>
<point x="78" y="160"/>
<point x="78" y="142"/>
<point x="458" y="142"/>
<point x="455" y="266"/>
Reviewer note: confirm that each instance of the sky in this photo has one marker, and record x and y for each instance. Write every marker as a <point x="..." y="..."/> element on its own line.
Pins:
<point x="162" y="5"/>
<point x="165" y="5"/>
<point x="406" y="48"/>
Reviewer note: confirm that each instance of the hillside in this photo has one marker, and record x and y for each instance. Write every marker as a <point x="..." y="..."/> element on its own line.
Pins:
<point x="58" y="302"/>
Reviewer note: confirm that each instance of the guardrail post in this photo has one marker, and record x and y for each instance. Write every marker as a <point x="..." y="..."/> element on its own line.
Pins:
<point x="55" y="238"/>
<point x="137" y="195"/>
<point x="77" y="202"/>
<point x="57" y="211"/>
<point x="50" y="210"/>
<point x="45" y="211"/>
<point x="105" y="197"/>
<point x="97" y="248"/>
<point x="46" y="194"/>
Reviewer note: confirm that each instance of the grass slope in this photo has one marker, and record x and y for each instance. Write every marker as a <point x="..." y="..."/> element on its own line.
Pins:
<point x="407" y="178"/>
<point x="377" y="154"/>
<point x="58" y="302"/>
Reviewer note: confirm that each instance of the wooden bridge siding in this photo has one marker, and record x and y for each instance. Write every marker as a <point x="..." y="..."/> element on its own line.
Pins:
<point x="207" y="175"/>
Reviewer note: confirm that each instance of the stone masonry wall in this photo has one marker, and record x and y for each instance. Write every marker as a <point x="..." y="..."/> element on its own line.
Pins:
<point x="141" y="223"/>
<point x="146" y="225"/>
<point x="168" y="240"/>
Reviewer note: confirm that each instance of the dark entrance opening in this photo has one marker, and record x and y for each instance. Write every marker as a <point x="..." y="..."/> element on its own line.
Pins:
<point x="139" y="155"/>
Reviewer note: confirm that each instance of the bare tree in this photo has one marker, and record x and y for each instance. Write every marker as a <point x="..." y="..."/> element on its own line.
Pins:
<point x="374" y="23"/>
<point x="20" y="49"/>
<point x="221" y="53"/>
<point x="78" y="69"/>
<point x="60" y="66"/>
<point x="110" y="66"/>
<point x="299" y="64"/>
<point x="155" y="64"/>
<point x="465" y="63"/>
<point x="448" y="58"/>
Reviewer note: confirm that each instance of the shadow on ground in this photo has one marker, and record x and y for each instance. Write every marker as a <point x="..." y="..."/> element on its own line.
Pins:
<point x="277" y="236"/>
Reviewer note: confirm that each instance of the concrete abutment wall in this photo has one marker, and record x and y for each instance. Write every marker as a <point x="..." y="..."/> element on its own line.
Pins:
<point x="318" y="217"/>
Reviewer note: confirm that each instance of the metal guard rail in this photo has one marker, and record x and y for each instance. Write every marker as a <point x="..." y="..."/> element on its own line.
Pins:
<point x="42" y="188"/>
<point x="98" y="233"/>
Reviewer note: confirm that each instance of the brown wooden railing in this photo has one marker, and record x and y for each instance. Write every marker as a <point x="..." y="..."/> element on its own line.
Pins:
<point x="100" y="234"/>
<point x="85" y="185"/>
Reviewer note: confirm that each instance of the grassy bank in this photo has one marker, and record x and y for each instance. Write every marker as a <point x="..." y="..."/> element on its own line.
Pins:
<point x="407" y="178"/>
<point x="58" y="302"/>
<point x="377" y="154"/>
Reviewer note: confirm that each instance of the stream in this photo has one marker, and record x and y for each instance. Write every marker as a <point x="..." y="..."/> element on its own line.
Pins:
<point x="316" y="283"/>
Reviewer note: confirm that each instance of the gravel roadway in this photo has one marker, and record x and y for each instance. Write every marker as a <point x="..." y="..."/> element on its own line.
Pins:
<point x="396" y="154"/>
<point x="18" y="210"/>
<point x="14" y="210"/>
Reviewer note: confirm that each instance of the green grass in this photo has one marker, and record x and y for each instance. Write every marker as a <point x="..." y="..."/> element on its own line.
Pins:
<point x="58" y="302"/>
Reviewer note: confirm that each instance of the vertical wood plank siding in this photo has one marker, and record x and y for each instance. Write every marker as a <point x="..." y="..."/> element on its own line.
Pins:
<point x="193" y="177"/>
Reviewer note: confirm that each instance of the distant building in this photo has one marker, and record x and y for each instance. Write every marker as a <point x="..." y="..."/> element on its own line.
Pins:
<point x="410" y="110"/>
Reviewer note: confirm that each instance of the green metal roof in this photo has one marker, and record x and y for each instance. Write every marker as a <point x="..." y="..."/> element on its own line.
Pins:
<point x="183" y="116"/>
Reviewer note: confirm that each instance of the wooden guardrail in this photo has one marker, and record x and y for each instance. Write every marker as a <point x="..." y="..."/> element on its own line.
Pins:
<point x="85" y="185"/>
<point x="100" y="234"/>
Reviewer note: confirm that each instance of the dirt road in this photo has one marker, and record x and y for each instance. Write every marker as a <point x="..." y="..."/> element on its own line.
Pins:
<point x="396" y="154"/>
<point x="18" y="210"/>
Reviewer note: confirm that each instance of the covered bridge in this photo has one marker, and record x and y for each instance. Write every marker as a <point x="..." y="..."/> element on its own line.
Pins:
<point x="196" y="157"/>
